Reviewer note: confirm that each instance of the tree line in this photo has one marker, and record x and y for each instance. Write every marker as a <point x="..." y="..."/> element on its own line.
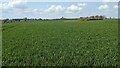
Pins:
<point x="18" y="20"/>
<point x="97" y="17"/>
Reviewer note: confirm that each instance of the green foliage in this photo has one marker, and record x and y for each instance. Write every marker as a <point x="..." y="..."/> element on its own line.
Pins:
<point x="0" y="43"/>
<point x="60" y="42"/>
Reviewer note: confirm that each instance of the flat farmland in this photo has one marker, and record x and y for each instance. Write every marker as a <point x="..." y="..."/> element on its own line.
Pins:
<point x="60" y="43"/>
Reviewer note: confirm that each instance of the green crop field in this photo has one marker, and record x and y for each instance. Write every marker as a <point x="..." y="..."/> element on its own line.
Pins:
<point x="60" y="43"/>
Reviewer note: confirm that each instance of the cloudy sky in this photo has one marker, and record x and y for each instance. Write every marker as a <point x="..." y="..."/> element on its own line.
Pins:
<point x="57" y="9"/>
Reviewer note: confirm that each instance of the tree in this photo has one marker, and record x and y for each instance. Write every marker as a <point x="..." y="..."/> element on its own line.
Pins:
<point x="62" y="18"/>
<point x="97" y="17"/>
<point x="39" y="19"/>
<point x="92" y="17"/>
<point x="6" y="21"/>
<point x="25" y="19"/>
<point x="110" y="18"/>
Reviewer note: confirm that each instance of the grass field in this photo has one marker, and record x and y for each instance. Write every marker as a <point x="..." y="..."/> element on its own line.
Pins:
<point x="60" y="42"/>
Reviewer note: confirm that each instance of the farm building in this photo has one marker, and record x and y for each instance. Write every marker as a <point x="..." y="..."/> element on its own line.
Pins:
<point x="97" y="17"/>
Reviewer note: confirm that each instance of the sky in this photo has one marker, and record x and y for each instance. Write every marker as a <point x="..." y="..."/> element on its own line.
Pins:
<point x="51" y="9"/>
<point x="65" y="0"/>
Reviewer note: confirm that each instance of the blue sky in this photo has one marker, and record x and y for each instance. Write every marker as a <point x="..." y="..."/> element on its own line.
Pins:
<point x="66" y="0"/>
<point x="22" y="8"/>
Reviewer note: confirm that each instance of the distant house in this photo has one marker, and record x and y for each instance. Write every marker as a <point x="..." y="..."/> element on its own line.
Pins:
<point x="97" y="17"/>
<point x="63" y="18"/>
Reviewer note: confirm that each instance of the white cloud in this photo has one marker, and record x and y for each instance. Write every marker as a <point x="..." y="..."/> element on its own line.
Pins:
<point x="60" y="8"/>
<point x="54" y="8"/>
<point x="82" y="4"/>
<point x="105" y="0"/>
<point x="0" y="5"/>
<point x="103" y="7"/>
<point x="74" y="8"/>
<point x="19" y="4"/>
<point x="116" y="6"/>
<point x="4" y="6"/>
<point x="37" y="11"/>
